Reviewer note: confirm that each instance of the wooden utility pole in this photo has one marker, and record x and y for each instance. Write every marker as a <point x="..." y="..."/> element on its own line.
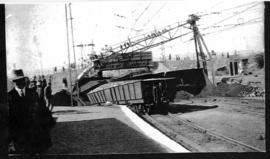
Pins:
<point x="70" y="80"/>
<point x="74" y="54"/>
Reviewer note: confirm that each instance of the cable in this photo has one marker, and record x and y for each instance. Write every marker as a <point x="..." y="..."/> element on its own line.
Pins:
<point x="228" y="9"/>
<point x="234" y="26"/>
<point x="144" y="37"/>
<point x="200" y="12"/>
<point x="156" y="13"/>
<point x="224" y="10"/>
<point x="236" y="14"/>
<point x="227" y="18"/>
<point x="231" y="26"/>
<point x="146" y="8"/>
<point x="239" y="6"/>
<point x="120" y="16"/>
<point x="228" y="25"/>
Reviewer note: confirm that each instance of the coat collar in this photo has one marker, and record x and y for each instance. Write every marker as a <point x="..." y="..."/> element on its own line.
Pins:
<point x="19" y="91"/>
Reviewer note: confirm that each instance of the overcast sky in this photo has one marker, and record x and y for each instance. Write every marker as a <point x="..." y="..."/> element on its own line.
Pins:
<point x="36" y="33"/>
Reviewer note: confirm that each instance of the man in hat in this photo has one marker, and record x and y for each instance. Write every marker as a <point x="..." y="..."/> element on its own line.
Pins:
<point x="21" y="101"/>
<point x="27" y="119"/>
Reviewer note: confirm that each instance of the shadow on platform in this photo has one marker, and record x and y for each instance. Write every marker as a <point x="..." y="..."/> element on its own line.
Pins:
<point x="181" y="108"/>
<point x="100" y="136"/>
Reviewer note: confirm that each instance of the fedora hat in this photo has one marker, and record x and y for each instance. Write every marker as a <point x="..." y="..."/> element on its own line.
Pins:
<point x="17" y="74"/>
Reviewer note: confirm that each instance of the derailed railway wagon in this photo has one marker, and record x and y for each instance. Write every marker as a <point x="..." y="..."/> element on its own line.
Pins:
<point x="142" y="96"/>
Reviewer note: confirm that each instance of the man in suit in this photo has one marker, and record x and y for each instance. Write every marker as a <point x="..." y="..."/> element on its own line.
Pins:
<point x="29" y="122"/>
<point x="21" y="102"/>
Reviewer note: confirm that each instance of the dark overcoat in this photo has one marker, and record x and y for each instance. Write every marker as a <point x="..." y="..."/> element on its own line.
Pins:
<point x="28" y="122"/>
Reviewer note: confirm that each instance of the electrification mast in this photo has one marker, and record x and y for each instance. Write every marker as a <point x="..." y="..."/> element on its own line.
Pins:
<point x="73" y="48"/>
<point x="199" y="44"/>
<point x="70" y="79"/>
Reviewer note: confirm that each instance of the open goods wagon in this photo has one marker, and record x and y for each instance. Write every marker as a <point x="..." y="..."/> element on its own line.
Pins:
<point x="142" y="96"/>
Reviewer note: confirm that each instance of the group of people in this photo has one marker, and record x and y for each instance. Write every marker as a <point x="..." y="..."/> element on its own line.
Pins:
<point x="30" y="116"/>
<point x="43" y="89"/>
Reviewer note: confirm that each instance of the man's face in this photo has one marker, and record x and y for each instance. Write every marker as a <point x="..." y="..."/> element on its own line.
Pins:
<point x="20" y="83"/>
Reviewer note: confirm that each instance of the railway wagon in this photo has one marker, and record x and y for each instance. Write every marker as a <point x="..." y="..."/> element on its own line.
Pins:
<point x="142" y="96"/>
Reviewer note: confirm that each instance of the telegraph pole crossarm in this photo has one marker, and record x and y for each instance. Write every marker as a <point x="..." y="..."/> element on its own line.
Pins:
<point x="82" y="46"/>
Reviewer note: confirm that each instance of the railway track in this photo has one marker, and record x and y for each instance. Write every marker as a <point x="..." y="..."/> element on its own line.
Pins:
<point x="194" y="137"/>
<point x="244" y="108"/>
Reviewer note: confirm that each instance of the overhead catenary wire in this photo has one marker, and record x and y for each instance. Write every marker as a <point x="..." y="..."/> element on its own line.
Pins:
<point x="200" y="14"/>
<point x="137" y="19"/>
<point x="228" y="27"/>
<point x="143" y="36"/>
<point x="240" y="12"/>
<point x="231" y="16"/>
<point x="233" y="26"/>
<point x="216" y="4"/>
<point x="242" y="5"/>
<point x="239" y="6"/>
<point x="155" y="14"/>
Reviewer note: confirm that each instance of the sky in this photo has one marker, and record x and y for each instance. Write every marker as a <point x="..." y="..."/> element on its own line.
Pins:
<point x="36" y="35"/>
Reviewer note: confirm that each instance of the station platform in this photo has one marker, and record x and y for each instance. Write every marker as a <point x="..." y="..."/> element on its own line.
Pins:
<point x="112" y="129"/>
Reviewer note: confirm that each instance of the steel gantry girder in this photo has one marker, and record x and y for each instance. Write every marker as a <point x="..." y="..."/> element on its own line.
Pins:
<point x="149" y="40"/>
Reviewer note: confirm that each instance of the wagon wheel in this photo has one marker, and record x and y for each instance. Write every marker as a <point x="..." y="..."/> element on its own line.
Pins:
<point x="146" y="110"/>
<point x="136" y="109"/>
<point x="129" y="106"/>
<point x="141" y="109"/>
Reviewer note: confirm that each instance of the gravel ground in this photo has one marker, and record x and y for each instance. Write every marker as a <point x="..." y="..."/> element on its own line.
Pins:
<point x="236" y="118"/>
<point x="98" y="130"/>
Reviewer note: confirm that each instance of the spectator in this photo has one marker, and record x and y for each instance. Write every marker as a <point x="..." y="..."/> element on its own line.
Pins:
<point x="48" y="96"/>
<point x="39" y="79"/>
<point x="43" y="82"/>
<point x="65" y="84"/>
<point x="29" y="124"/>
<point x="33" y="83"/>
<point x="27" y="82"/>
<point x="40" y="93"/>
